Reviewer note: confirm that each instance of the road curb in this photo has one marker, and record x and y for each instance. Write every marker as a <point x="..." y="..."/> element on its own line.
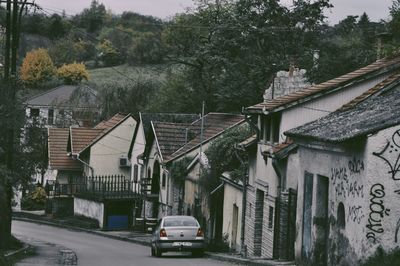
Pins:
<point x="55" y="224"/>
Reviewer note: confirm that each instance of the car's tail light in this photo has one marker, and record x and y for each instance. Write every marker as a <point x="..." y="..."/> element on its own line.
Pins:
<point x="163" y="233"/>
<point x="200" y="233"/>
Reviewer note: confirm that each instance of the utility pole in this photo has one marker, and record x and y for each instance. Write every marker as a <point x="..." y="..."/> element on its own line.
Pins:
<point x="9" y="92"/>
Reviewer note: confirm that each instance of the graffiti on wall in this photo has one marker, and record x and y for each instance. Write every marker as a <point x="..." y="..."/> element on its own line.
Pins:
<point x="343" y="182"/>
<point x="355" y="214"/>
<point x="377" y="212"/>
<point x="391" y="155"/>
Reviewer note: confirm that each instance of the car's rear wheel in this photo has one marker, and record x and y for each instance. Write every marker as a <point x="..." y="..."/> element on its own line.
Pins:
<point x="198" y="253"/>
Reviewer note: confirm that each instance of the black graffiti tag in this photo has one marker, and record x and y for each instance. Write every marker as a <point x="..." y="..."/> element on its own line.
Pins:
<point x="356" y="166"/>
<point x="377" y="211"/>
<point x="355" y="214"/>
<point x="391" y="155"/>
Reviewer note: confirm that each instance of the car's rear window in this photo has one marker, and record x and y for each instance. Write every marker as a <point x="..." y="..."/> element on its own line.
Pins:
<point x="172" y="222"/>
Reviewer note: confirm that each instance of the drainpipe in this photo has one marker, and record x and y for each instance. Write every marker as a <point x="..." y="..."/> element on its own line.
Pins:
<point x="243" y="248"/>
<point x="253" y="126"/>
<point x="85" y="163"/>
<point x="277" y="215"/>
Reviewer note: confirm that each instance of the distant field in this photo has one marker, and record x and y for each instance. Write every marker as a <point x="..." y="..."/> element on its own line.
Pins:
<point x="126" y="73"/>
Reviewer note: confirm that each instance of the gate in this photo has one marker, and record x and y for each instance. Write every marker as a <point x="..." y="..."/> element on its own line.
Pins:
<point x="285" y="229"/>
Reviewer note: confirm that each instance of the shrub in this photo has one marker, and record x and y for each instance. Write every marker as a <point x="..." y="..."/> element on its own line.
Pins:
<point x="383" y="258"/>
<point x="73" y="73"/>
<point x="36" y="67"/>
<point x="34" y="200"/>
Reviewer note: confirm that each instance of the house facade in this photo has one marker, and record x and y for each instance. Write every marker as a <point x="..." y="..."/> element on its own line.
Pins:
<point x="181" y="144"/>
<point x="271" y="195"/>
<point x="347" y="172"/>
<point x="63" y="106"/>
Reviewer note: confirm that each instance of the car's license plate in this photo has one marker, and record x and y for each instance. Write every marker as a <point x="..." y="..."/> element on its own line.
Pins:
<point x="185" y="244"/>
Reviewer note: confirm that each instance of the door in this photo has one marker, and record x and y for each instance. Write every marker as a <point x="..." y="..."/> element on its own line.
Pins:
<point x="307" y="216"/>
<point x="321" y="221"/>
<point x="258" y="223"/>
<point x="235" y="212"/>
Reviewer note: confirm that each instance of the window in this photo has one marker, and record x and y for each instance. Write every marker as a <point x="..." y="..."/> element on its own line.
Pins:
<point x="270" y="128"/>
<point x="34" y="112"/>
<point x="340" y="216"/>
<point x="270" y="217"/>
<point x="163" y="180"/>
<point x="50" y="116"/>
<point x="148" y="173"/>
<point x="135" y="173"/>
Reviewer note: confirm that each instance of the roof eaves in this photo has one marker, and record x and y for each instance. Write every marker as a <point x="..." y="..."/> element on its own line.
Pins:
<point x="134" y="135"/>
<point x="103" y="135"/>
<point x="156" y="139"/>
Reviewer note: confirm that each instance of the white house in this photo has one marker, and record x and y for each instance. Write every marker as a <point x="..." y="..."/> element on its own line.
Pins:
<point x="271" y="194"/>
<point x="348" y="179"/>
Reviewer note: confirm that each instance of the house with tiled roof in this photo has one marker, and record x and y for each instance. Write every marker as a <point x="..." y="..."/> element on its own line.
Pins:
<point x="348" y="176"/>
<point x="63" y="106"/>
<point x="143" y="133"/>
<point x="270" y="210"/>
<point x="176" y="142"/>
<point x="61" y="166"/>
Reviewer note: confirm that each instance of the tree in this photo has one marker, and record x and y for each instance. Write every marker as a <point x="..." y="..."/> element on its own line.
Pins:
<point x="73" y="73"/>
<point x="108" y="53"/>
<point x="93" y="18"/>
<point x="146" y="49"/>
<point x="37" y="67"/>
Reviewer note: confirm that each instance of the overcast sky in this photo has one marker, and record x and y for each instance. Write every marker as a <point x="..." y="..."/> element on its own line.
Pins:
<point x="376" y="9"/>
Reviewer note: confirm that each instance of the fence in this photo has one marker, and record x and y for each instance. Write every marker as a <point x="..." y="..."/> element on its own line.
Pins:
<point x="95" y="187"/>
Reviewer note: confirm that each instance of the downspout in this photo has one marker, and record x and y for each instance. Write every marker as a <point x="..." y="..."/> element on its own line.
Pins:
<point x="277" y="214"/>
<point x="85" y="163"/>
<point x="253" y="126"/>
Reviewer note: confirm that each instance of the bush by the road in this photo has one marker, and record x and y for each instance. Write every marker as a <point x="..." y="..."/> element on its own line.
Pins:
<point x="34" y="200"/>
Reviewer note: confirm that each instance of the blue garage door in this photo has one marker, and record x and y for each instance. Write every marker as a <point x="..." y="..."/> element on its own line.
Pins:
<point x="117" y="222"/>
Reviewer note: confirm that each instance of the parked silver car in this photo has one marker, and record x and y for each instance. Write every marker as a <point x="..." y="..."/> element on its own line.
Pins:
<point x="177" y="233"/>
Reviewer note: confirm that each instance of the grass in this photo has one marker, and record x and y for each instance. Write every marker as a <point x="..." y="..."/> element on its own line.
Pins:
<point x="126" y="73"/>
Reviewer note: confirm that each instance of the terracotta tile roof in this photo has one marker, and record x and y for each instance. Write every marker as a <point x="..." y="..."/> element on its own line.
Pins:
<point x="170" y="136"/>
<point x="214" y="125"/>
<point x="58" y="158"/>
<point x="110" y="123"/>
<point x="383" y="65"/>
<point x="377" y="110"/>
<point x="82" y="137"/>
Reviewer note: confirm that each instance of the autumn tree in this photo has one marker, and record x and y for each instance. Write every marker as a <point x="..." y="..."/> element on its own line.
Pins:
<point x="37" y="67"/>
<point x="73" y="73"/>
<point x="108" y="54"/>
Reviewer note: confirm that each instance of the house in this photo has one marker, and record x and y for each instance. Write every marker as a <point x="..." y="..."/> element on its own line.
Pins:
<point x="271" y="194"/>
<point x="106" y="194"/>
<point x="61" y="166"/>
<point x="348" y="179"/>
<point x="142" y="134"/>
<point x="179" y="146"/>
<point x="63" y="106"/>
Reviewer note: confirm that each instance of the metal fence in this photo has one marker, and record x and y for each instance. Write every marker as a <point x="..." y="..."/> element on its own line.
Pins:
<point x="95" y="187"/>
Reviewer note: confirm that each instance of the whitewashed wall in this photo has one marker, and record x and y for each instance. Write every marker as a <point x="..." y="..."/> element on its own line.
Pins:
<point x="232" y="196"/>
<point x="88" y="208"/>
<point x="368" y="188"/>
<point x="105" y="154"/>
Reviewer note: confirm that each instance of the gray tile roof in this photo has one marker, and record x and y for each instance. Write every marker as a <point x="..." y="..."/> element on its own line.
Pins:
<point x="65" y="96"/>
<point x="364" y="115"/>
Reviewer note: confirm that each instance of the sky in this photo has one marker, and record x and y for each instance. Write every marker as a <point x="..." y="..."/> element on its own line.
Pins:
<point x="376" y="9"/>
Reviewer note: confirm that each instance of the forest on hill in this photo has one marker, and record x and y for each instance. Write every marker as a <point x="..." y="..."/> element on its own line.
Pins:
<point x="222" y="52"/>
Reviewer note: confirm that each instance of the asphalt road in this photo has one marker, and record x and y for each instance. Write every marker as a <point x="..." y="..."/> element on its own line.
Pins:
<point x="93" y="250"/>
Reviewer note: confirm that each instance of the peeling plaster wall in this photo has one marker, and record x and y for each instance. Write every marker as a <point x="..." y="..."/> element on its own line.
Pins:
<point x="362" y="175"/>
<point x="232" y="196"/>
<point x="88" y="208"/>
